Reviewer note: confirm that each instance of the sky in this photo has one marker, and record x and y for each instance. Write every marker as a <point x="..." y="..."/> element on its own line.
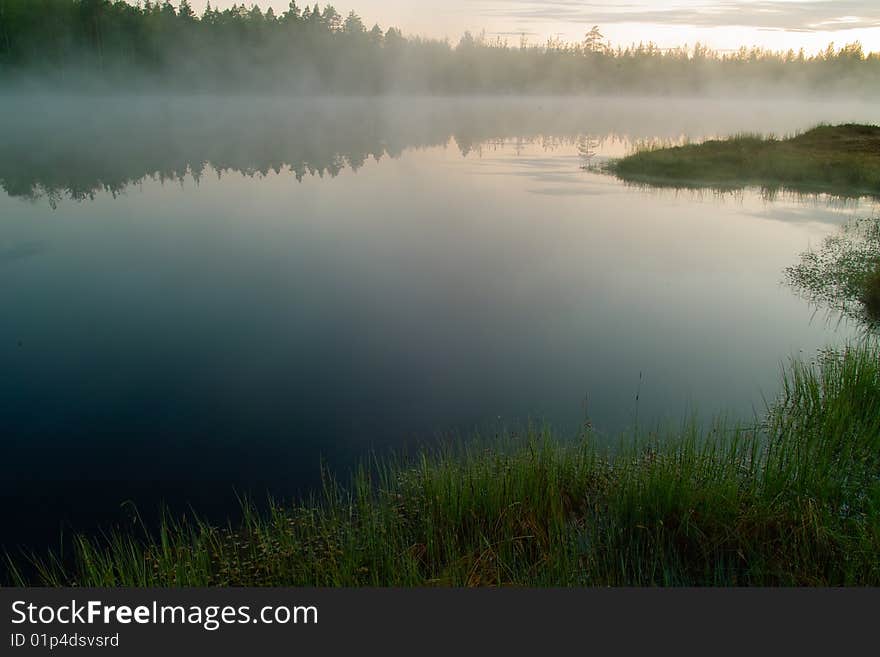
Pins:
<point x="720" y="24"/>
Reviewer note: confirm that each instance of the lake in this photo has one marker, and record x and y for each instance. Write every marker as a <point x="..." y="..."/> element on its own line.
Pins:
<point x="205" y="297"/>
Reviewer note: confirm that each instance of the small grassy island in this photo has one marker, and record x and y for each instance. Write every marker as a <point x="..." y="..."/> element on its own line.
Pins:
<point x="842" y="160"/>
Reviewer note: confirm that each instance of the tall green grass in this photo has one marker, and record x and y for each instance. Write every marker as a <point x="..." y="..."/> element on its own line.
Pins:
<point x="794" y="500"/>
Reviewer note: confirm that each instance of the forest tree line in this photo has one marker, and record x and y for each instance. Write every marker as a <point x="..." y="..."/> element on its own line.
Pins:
<point x="160" y="44"/>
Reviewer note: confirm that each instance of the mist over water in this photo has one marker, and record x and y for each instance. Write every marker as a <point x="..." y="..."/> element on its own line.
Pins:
<point x="205" y="295"/>
<point x="73" y="146"/>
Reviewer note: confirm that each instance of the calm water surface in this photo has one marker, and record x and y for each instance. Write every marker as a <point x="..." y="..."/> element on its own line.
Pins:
<point x="203" y="296"/>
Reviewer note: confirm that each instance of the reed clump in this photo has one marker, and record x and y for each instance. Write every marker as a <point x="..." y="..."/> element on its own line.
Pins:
<point x="843" y="273"/>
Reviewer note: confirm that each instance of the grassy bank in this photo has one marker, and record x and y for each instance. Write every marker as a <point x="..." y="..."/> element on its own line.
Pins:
<point x="842" y="160"/>
<point x="794" y="501"/>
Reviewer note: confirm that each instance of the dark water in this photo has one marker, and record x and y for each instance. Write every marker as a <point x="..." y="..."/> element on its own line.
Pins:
<point x="203" y="296"/>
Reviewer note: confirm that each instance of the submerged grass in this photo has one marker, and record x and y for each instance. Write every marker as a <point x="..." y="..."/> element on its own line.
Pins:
<point x="793" y="501"/>
<point x="842" y="160"/>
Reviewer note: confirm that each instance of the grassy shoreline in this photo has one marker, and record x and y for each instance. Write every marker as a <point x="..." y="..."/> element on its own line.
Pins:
<point x="842" y="160"/>
<point x="792" y="501"/>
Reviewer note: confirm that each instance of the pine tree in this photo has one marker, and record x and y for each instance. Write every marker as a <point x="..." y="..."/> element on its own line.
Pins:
<point x="185" y="11"/>
<point x="354" y="24"/>
<point x="593" y="40"/>
<point x="292" y="14"/>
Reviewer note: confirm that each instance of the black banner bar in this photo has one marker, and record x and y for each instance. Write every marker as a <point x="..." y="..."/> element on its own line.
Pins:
<point x="413" y="621"/>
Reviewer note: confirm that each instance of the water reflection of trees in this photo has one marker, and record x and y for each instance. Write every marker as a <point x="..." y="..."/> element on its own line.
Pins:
<point x="58" y="147"/>
<point x="75" y="148"/>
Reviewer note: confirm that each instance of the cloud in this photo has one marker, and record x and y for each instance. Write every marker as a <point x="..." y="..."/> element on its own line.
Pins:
<point x="516" y="33"/>
<point x="793" y="15"/>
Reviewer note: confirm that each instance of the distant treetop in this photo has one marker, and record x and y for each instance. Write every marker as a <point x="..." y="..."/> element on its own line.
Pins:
<point x="157" y="43"/>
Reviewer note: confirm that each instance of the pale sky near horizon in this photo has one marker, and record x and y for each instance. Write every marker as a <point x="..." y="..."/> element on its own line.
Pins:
<point x="721" y="24"/>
